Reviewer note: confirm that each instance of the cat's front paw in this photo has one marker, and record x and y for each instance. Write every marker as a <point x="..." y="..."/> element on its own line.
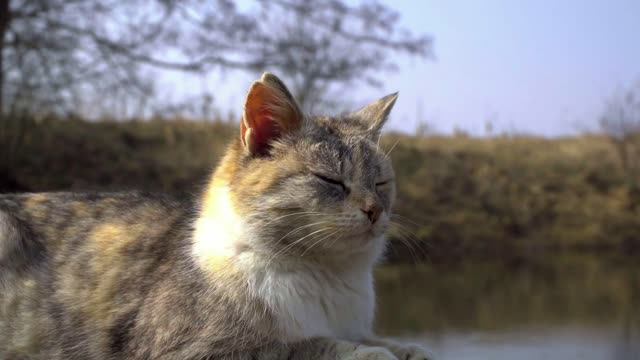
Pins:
<point x="371" y="353"/>
<point x="401" y="351"/>
<point x="410" y="352"/>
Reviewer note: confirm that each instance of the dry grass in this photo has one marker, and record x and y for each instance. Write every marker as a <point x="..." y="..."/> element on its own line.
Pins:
<point x="457" y="195"/>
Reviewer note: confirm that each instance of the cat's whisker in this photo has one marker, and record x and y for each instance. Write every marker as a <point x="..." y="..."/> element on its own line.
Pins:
<point x="317" y="242"/>
<point x="289" y="246"/>
<point x="282" y="252"/>
<point x="404" y="218"/>
<point x="319" y="215"/>
<point x="386" y="156"/>
<point x="399" y="227"/>
<point x="412" y="252"/>
<point x="410" y="238"/>
<point x="413" y="238"/>
<point x="411" y="245"/>
<point x="414" y="222"/>
<point x="408" y="228"/>
<point x="298" y="229"/>
<point x="411" y="234"/>
<point x="299" y="214"/>
<point x="316" y="233"/>
<point x="335" y="239"/>
<point x="405" y="223"/>
<point x="419" y="253"/>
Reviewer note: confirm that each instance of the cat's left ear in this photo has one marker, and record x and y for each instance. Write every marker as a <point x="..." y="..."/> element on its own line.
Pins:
<point x="376" y="113"/>
<point x="269" y="113"/>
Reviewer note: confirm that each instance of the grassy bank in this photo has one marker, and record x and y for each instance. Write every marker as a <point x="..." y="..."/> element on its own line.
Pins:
<point x="458" y="196"/>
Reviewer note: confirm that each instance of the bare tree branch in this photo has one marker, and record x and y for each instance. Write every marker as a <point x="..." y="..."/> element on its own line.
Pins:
<point x="59" y="50"/>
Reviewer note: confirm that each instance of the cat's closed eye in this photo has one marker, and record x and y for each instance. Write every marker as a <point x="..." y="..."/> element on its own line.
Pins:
<point x="332" y="181"/>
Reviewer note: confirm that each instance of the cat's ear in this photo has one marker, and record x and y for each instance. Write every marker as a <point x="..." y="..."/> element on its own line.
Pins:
<point x="376" y="113"/>
<point x="269" y="112"/>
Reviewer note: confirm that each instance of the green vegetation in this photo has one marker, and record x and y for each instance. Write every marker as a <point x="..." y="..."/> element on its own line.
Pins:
<point x="457" y="196"/>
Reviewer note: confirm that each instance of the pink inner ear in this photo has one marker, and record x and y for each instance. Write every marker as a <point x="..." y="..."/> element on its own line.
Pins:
<point x="263" y="131"/>
<point x="267" y="115"/>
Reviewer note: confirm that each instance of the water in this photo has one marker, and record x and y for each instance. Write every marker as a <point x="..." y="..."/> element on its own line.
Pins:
<point x="549" y="307"/>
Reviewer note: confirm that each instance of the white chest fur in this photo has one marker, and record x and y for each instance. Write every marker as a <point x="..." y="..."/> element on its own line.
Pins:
<point x="310" y="302"/>
<point x="306" y="300"/>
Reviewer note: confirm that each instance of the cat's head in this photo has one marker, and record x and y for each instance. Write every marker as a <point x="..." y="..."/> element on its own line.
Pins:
<point x="309" y="185"/>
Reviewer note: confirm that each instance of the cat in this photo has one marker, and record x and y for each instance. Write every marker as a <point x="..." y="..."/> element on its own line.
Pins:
<point x="272" y="261"/>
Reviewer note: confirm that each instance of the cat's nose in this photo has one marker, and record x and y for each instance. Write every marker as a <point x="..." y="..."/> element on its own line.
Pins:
<point x="373" y="212"/>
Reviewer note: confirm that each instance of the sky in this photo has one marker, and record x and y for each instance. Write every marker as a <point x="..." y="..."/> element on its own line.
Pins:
<point x="541" y="67"/>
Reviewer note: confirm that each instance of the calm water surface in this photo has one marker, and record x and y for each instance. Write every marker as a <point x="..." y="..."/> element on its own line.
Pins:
<point x="551" y="307"/>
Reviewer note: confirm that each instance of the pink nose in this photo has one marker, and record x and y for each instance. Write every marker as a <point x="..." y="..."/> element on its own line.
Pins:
<point x="373" y="212"/>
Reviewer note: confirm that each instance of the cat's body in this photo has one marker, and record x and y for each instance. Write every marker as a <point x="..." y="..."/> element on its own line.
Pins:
<point x="273" y="260"/>
<point x="115" y="275"/>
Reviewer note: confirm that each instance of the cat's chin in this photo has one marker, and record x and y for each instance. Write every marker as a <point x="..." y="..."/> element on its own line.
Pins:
<point x="369" y="233"/>
<point x="366" y="239"/>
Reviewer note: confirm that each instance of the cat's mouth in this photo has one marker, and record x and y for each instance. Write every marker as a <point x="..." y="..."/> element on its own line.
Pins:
<point x="366" y="233"/>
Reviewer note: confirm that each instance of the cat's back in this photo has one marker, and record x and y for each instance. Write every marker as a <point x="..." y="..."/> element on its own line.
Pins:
<point x="40" y="228"/>
<point x="80" y="254"/>
<point x="67" y="210"/>
<point x="62" y="217"/>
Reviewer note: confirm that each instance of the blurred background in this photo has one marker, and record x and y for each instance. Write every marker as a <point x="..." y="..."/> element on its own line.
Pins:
<point x="516" y="140"/>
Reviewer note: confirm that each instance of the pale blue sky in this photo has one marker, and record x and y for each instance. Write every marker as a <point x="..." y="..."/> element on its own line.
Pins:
<point x="542" y="67"/>
<point x="534" y="66"/>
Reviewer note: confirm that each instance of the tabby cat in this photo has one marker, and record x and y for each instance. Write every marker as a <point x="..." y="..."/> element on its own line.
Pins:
<point x="273" y="260"/>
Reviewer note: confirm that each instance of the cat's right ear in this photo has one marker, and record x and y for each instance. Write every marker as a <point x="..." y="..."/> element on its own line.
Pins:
<point x="269" y="112"/>
<point x="375" y="114"/>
